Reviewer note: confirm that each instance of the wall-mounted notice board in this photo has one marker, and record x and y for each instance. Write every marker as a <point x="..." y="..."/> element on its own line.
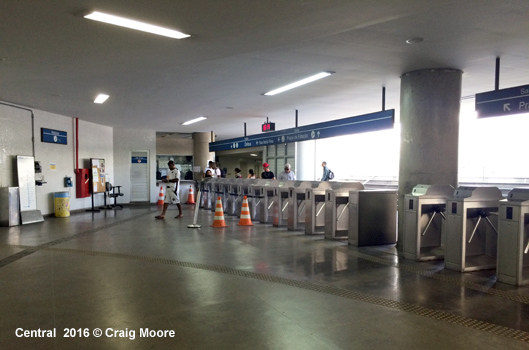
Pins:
<point x="97" y="175"/>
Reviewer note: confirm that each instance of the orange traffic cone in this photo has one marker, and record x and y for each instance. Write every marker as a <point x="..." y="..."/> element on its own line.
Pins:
<point x="245" y="220"/>
<point x="160" y="196"/>
<point x="190" y="196"/>
<point x="218" y="221"/>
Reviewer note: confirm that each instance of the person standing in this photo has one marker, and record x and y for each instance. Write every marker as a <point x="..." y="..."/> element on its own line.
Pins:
<point x="238" y="173"/>
<point x="287" y="174"/>
<point x="267" y="174"/>
<point x="326" y="171"/>
<point x="171" y="191"/>
<point x="251" y="174"/>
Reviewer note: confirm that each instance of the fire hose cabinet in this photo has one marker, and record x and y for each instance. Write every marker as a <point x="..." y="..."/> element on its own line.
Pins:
<point x="424" y="219"/>
<point x="471" y="228"/>
<point x="82" y="183"/>
<point x="513" y="238"/>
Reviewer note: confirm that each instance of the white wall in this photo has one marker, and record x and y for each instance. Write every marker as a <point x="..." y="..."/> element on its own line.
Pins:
<point x="174" y="146"/>
<point x="15" y="139"/>
<point x="125" y="142"/>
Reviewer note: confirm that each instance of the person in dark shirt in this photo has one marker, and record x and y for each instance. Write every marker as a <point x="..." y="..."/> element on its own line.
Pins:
<point x="267" y="174"/>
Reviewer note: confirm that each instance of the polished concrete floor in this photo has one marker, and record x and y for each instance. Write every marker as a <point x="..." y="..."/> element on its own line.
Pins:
<point x="249" y="287"/>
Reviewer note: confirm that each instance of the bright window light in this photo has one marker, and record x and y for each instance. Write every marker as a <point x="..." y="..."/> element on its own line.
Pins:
<point x="128" y="23"/>
<point x="299" y="83"/>
<point x="194" y="120"/>
<point x="101" y="98"/>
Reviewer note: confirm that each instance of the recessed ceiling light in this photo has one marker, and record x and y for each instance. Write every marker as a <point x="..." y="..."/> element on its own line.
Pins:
<point x="299" y="83"/>
<point x="414" y="40"/>
<point x="194" y="120"/>
<point x="101" y="98"/>
<point x="132" y="24"/>
<point x="253" y="154"/>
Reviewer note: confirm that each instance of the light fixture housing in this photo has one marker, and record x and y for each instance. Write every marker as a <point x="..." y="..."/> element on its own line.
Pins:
<point x="101" y="98"/>
<point x="194" y="120"/>
<point x="137" y="25"/>
<point x="299" y="83"/>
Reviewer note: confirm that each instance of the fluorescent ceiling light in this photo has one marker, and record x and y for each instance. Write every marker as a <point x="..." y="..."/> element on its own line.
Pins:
<point x="194" y="120"/>
<point x="299" y="83"/>
<point x="129" y="23"/>
<point x="253" y="154"/>
<point x="101" y="98"/>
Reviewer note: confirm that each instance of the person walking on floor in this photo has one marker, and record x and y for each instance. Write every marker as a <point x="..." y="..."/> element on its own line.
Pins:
<point x="267" y="174"/>
<point x="326" y="171"/>
<point x="171" y="192"/>
<point x="287" y="174"/>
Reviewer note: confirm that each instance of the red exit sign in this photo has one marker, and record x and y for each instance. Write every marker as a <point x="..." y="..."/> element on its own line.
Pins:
<point x="268" y="127"/>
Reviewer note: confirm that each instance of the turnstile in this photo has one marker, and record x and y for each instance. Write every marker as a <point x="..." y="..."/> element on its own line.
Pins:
<point x="245" y="190"/>
<point x="314" y="208"/>
<point x="513" y="238"/>
<point x="207" y="190"/>
<point x="296" y="204"/>
<point x="470" y="229"/>
<point x="336" y="209"/>
<point x="424" y="216"/>
<point x="372" y="217"/>
<point x="280" y="205"/>
<point x="257" y="196"/>
<point x="231" y="188"/>
<point x="269" y="197"/>
<point x="220" y="190"/>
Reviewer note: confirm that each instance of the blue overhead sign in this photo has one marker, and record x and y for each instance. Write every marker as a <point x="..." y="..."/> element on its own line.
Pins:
<point x="503" y="102"/>
<point x="53" y="136"/>
<point x="352" y="125"/>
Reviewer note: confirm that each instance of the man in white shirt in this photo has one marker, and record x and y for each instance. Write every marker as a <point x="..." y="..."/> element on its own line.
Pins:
<point x="171" y="191"/>
<point x="215" y="172"/>
<point x="287" y="174"/>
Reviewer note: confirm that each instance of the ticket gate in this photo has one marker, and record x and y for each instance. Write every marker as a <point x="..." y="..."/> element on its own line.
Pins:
<point x="296" y="204"/>
<point x="280" y="205"/>
<point x="513" y="238"/>
<point x="336" y="209"/>
<point x="207" y="187"/>
<point x="231" y="188"/>
<point x="372" y="217"/>
<point x="470" y="229"/>
<point x="424" y="217"/>
<point x="257" y="196"/>
<point x="268" y="192"/>
<point x="314" y="208"/>
<point x="244" y="189"/>
<point x="220" y="191"/>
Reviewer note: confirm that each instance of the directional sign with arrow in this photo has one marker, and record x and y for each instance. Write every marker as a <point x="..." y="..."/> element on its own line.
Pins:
<point x="503" y="102"/>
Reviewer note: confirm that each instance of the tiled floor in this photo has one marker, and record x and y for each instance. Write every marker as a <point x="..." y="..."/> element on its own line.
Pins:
<point x="257" y="287"/>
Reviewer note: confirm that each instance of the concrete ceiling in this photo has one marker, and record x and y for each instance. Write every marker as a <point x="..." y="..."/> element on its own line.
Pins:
<point x="54" y="60"/>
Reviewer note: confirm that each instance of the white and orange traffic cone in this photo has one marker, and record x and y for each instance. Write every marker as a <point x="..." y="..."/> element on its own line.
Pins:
<point x="245" y="220"/>
<point x="190" y="196"/>
<point x="218" y="221"/>
<point x="160" y="196"/>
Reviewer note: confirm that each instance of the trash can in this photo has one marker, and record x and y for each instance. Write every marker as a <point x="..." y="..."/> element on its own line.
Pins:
<point x="62" y="204"/>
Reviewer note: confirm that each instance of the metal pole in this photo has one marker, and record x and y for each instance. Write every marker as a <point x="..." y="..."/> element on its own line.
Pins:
<point x="296" y="118"/>
<point x="244" y="129"/>
<point x="383" y="98"/>
<point x="474" y="230"/>
<point x="429" y="222"/>
<point x="497" y="75"/>
<point x="197" y="206"/>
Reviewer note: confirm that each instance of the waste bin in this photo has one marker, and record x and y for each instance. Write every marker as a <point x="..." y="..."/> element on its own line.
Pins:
<point x="62" y="204"/>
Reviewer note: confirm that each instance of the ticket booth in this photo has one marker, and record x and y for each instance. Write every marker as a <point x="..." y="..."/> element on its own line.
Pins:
<point x="424" y="218"/>
<point x="513" y="238"/>
<point x="471" y="228"/>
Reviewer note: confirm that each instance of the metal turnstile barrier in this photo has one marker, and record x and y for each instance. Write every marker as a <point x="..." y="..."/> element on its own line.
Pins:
<point x="372" y="217"/>
<point x="269" y="197"/>
<point x="314" y="209"/>
<point x="296" y="204"/>
<point x="220" y="191"/>
<point x="280" y="205"/>
<point x="337" y="209"/>
<point x="245" y="190"/>
<point x="207" y="189"/>
<point x="231" y="188"/>
<point x="471" y="228"/>
<point x="424" y="217"/>
<point x="257" y="197"/>
<point x="513" y="238"/>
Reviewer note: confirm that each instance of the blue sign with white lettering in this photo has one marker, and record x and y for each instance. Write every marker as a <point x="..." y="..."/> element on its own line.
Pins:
<point x="137" y="160"/>
<point x="53" y="136"/>
<point x="503" y="102"/>
<point x="352" y="125"/>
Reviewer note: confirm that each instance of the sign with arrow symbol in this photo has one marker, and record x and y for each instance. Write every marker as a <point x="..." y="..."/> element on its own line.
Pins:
<point x="503" y="102"/>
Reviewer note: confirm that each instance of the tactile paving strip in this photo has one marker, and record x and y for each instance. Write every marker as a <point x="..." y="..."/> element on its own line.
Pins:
<point x="414" y="309"/>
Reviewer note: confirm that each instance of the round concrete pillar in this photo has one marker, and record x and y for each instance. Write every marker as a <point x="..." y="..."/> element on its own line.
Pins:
<point x="429" y="116"/>
<point x="201" y="151"/>
<point x="305" y="160"/>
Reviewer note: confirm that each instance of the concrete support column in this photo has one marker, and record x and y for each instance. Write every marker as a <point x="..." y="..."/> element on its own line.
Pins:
<point x="429" y="114"/>
<point x="306" y="160"/>
<point x="201" y="151"/>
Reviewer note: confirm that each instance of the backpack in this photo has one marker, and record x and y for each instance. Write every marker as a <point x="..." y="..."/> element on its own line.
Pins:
<point x="331" y="174"/>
